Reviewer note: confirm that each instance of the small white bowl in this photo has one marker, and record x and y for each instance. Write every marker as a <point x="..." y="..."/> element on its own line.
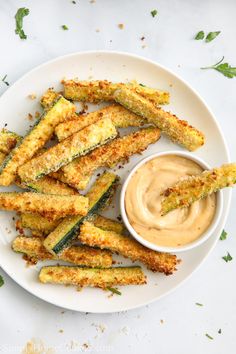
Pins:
<point x="202" y="238"/>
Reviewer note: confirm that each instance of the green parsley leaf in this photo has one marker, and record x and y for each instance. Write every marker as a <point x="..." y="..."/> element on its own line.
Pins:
<point x="223" y="68"/>
<point x="4" y="80"/>
<point x="114" y="291"/>
<point x="199" y="35"/>
<point x="208" y="336"/>
<point x="21" y="13"/>
<point x="73" y="2"/>
<point x="227" y="258"/>
<point x="154" y="13"/>
<point x="198" y="304"/>
<point x="1" y="281"/>
<point x="211" y="36"/>
<point x="64" y="27"/>
<point x="142" y="85"/>
<point x="219" y="331"/>
<point x="223" y="235"/>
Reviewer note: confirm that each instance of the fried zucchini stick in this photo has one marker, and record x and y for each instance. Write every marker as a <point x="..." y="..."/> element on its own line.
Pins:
<point x="35" y="139"/>
<point x="61" y="154"/>
<point x="8" y="141"/>
<point x="78" y="172"/>
<point x="48" y="205"/>
<point x="187" y="191"/>
<point x="127" y="247"/>
<point x="38" y="223"/>
<point x="120" y="116"/>
<point x="178" y="131"/>
<point x="79" y="255"/>
<point x="99" y="197"/>
<point x="93" y="277"/>
<point x="97" y="91"/>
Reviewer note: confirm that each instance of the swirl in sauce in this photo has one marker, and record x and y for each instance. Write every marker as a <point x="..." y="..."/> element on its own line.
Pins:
<point x="143" y="203"/>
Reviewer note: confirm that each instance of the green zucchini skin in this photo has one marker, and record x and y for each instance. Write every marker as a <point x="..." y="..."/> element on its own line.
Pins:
<point x="64" y="152"/>
<point x="35" y="139"/>
<point x="68" y="229"/>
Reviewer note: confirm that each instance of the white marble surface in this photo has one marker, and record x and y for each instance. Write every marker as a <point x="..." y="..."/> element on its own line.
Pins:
<point x="175" y="323"/>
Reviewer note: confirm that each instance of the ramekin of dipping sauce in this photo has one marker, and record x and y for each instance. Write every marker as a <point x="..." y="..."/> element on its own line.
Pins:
<point x="141" y="196"/>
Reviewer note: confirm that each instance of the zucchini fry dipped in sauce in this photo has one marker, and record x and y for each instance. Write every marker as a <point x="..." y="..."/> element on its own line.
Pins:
<point x="99" y="197"/>
<point x="78" y="172"/>
<point x="33" y="248"/>
<point x="93" y="277"/>
<point x="35" y="139"/>
<point x="38" y="223"/>
<point x="127" y="247"/>
<point x="178" y="131"/>
<point x="48" y="205"/>
<point x="193" y="188"/>
<point x="8" y="141"/>
<point x="120" y="117"/>
<point x="61" y="154"/>
<point x="103" y="90"/>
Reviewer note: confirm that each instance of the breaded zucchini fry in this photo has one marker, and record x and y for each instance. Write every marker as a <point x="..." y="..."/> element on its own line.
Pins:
<point x="78" y="172"/>
<point x="127" y="247"/>
<point x="48" y="98"/>
<point x="120" y="116"/>
<point x="48" y="205"/>
<point x="38" y="223"/>
<point x="48" y="185"/>
<point x="108" y="224"/>
<point x="193" y="188"/>
<point x="94" y="277"/>
<point x="79" y="255"/>
<point x="35" y="139"/>
<point x="178" y="130"/>
<point x="61" y="154"/>
<point x="2" y="157"/>
<point x="96" y="91"/>
<point x="99" y="196"/>
<point x="8" y="140"/>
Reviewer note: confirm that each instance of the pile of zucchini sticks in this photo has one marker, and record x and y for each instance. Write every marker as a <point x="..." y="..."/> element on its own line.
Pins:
<point x="65" y="224"/>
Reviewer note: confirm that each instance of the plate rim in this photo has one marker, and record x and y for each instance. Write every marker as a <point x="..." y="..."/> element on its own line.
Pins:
<point x="203" y="102"/>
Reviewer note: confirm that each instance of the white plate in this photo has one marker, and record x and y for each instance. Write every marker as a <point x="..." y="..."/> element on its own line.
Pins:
<point x="185" y="102"/>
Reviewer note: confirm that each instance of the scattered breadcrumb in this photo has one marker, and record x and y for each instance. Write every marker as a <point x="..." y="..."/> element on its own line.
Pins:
<point x="61" y="331"/>
<point x="30" y="117"/>
<point x="125" y="330"/>
<point x="92" y="1"/>
<point x="121" y="26"/>
<point x="97" y="30"/>
<point x="37" y="114"/>
<point x="99" y="327"/>
<point x="144" y="46"/>
<point x="32" y="96"/>
<point x="142" y="38"/>
<point x="36" y="346"/>
<point x="161" y="321"/>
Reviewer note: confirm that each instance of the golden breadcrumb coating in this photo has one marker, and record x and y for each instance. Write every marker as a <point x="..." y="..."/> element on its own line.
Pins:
<point x="120" y="117"/>
<point x="79" y="171"/>
<point x="103" y="90"/>
<point x="187" y="191"/>
<point x="127" y="247"/>
<point x="79" y="255"/>
<point x="178" y="131"/>
<point x="93" y="277"/>
<point x="48" y="205"/>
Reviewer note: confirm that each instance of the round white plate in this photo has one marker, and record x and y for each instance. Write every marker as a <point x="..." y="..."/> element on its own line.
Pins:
<point x="185" y="102"/>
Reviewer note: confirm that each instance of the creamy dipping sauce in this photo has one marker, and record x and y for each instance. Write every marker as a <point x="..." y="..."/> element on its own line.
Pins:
<point x="143" y="203"/>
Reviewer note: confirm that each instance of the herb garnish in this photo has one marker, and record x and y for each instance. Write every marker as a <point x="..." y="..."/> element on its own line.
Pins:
<point x="73" y="2"/>
<point x="154" y="13"/>
<point x="227" y="258"/>
<point x="1" y="281"/>
<point x="223" y="68"/>
<point x="64" y="27"/>
<point x="4" y="80"/>
<point x="199" y="35"/>
<point x="223" y="235"/>
<point x="114" y="291"/>
<point x="211" y="36"/>
<point x="208" y="336"/>
<point x="21" y="13"/>
<point x="219" y="331"/>
<point x="142" y="85"/>
<point x="198" y="304"/>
